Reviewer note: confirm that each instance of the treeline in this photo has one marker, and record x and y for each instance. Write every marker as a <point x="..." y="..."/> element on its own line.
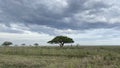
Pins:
<point x="8" y="43"/>
<point x="61" y="40"/>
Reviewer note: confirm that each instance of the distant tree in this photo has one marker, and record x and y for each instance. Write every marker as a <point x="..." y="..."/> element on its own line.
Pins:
<point x="23" y="44"/>
<point x="7" y="43"/>
<point x="61" y="40"/>
<point x="36" y="44"/>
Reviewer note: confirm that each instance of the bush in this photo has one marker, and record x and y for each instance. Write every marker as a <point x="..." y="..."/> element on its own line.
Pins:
<point x="7" y="43"/>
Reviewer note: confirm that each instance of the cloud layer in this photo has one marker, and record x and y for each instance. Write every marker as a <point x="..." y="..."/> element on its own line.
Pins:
<point x="83" y="20"/>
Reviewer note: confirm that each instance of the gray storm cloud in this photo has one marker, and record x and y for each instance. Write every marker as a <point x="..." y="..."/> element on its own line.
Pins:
<point x="60" y="14"/>
<point x="87" y="21"/>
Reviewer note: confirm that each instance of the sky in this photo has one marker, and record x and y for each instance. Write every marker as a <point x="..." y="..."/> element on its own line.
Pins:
<point x="88" y="22"/>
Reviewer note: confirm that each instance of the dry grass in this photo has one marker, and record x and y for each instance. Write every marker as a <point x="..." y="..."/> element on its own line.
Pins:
<point x="55" y="57"/>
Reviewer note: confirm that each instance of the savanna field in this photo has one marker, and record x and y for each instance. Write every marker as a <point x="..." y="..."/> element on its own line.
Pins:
<point x="56" y="57"/>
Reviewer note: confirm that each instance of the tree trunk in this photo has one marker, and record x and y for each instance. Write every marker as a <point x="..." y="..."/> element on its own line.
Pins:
<point x="61" y="44"/>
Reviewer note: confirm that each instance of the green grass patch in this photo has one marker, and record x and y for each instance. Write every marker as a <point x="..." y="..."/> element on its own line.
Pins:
<point x="55" y="57"/>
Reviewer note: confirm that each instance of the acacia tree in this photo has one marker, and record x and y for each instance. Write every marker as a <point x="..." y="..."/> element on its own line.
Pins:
<point x="36" y="44"/>
<point x="23" y="44"/>
<point x="61" y="40"/>
<point x="7" y="43"/>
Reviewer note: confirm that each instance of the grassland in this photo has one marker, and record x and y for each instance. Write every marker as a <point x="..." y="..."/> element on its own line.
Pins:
<point x="55" y="57"/>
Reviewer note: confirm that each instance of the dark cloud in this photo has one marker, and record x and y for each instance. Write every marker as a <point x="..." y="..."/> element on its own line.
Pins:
<point x="9" y="29"/>
<point x="98" y="25"/>
<point x="44" y="12"/>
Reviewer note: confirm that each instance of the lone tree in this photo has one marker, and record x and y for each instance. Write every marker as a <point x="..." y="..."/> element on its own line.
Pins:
<point x="36" y="44"/>
<point x="23" y="44"/>
<point x="7" y="43"/>
<point x="61" y="40"/>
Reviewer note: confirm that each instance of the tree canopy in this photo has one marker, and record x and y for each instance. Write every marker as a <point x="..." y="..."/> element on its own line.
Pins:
<point x="61" y="40"/>
<point x="36" y="44"/>
<point x="7" y="43"/>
